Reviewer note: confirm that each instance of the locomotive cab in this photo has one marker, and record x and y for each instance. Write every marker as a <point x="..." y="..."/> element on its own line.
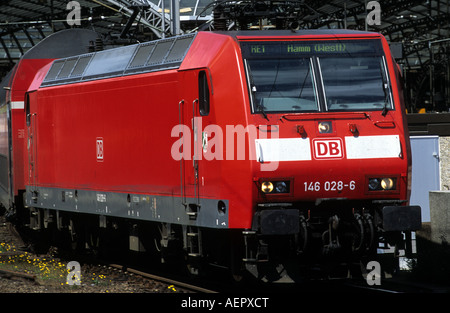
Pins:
<point x="334" y="163"/>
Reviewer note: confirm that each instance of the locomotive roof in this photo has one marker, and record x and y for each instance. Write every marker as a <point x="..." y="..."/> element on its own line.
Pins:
<point x="139" y="58"/>
<point x="151" y="56"/>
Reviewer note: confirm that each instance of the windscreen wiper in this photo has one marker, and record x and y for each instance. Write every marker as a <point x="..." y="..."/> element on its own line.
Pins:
<point x="386" y="98"/>
<point x="386" y="92"/>
<point x="261" y="110"/>
<point x="259" y="106"/>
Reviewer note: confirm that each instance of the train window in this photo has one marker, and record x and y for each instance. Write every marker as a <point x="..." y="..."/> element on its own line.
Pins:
<point x="282" y="85"/>
<point x="203" y="93"/>
<point x="365" y="76"/>
<point x="310" y="76"/>
<point x="27" y="109"/>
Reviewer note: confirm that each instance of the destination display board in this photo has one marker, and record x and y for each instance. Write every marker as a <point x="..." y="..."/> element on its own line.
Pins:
<point x="286" y="49"/>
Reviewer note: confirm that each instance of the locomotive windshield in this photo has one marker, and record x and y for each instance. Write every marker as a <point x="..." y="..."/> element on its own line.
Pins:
<point x="283" y="84"/>
<point x="312" y="76"/>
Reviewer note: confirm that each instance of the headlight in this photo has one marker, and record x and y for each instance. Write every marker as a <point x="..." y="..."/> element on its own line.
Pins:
<point x="380" y="184"/>
<point x="325" y="128"/>
<point x="273" y="187"/>
<point x="387" y="183"/>
<point x="267" y="187"/>
<point x="281" y="187"/>
<point x="374" y="184"/>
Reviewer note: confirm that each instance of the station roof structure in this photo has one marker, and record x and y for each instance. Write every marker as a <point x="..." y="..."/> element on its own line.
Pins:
<point x="422" y="26"/>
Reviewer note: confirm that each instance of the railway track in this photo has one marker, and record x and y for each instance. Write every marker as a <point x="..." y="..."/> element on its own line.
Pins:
<point x="93" y="275"/>
<point x="175" y="283"/>
<point x="143" y="280"/>
<point x="49" y="273"/>
<point x="121" y="278"/>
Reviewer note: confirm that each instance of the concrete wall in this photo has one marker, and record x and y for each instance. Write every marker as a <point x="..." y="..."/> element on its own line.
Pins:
<point x="440" y="217"/>
<point x="444" y="160"/>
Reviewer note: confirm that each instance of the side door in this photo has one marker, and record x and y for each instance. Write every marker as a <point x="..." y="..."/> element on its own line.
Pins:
<point x="193" y="107"/>
<point x="31" y="124"/>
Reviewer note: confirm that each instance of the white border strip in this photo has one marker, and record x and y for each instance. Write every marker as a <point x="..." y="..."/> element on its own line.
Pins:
<point x="283" y="149"/>
<point x="373" y="147"/>
<point x="17" y="104"/>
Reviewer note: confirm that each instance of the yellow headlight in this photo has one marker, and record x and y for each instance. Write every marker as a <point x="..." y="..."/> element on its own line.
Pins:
<point x="267" y="187"/>
<point x="387" y="183"/>
<point x="325" y="128"/>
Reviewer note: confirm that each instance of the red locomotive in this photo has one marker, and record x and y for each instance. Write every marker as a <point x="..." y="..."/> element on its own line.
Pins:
<point x="240" y="148"/>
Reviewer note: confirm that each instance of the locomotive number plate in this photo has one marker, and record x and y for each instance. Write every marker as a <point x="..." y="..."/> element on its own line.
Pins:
<point x="329" y="185"/>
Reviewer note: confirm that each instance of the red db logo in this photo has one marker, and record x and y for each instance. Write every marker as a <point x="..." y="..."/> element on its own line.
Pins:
<point x="328" y="148"/>
<point x="99" y="149"/>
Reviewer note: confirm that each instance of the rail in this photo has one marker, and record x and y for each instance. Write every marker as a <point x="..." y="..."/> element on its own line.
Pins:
<point x="163" y="279"/>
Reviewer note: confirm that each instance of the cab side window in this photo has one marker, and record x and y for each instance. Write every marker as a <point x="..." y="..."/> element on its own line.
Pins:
<point x="203" y="93"/>
<point x="27" y="108"/>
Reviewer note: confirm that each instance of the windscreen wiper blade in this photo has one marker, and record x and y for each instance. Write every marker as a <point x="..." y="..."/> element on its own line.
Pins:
<point x="385" y="90"/>
<point x="386" y="99"/>
<point x="261" y="110"/>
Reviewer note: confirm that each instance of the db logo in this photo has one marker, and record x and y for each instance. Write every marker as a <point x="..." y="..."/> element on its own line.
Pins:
<point x="99" y="149"/>
<point x="328" y="148"/>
